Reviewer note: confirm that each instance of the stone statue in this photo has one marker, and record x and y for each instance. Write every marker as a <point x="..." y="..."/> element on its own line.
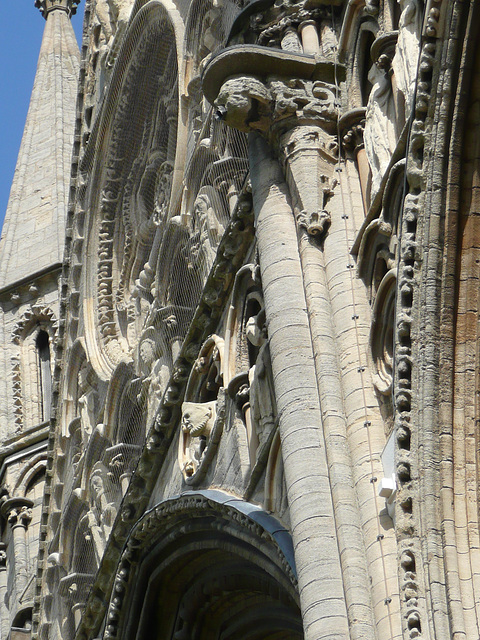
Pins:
<point x="262" y="413"/>
<point x="207" y="227"/>
<point x="405" y="61"/>
<point x="113" y="15"/>
<point x="102" y="513"/>
<point x="379" y="136"/>
<point x="155" y="365"/>
<point x="85" y="403"/>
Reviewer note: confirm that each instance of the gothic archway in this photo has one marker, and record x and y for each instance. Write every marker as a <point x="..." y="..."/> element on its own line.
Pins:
<point x="206" y="565"/>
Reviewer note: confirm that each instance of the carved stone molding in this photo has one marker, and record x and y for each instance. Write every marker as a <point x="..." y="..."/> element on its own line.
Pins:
<point x="408" y="526"/>
<point x="34" y="314"/>
<point x="231" y="254"/>
<point x="131" y="197"/>
<point x="168" y="521"/>
<point x="46" y="6"/>
<point x="434" y="18"/>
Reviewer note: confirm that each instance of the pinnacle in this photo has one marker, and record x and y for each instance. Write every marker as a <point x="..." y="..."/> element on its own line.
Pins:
<point x="46" y="6"/>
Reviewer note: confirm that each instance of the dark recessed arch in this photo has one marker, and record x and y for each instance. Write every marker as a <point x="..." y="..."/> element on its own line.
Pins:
<point x="207" y="566"/>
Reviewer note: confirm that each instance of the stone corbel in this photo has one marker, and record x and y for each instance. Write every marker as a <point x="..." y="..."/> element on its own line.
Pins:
<point x="254" y="88"/>
<point x="290" y="98"/>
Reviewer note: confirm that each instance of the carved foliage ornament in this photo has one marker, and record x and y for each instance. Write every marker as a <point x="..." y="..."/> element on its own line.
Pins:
<point x="248" y="103"/>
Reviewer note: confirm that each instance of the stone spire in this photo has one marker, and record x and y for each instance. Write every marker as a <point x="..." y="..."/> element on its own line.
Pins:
<point x="46" y="6"/>
<point x="33" y="233"/>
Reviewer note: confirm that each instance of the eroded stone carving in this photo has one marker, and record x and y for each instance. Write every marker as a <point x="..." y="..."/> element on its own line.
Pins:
<point x="102" y="513"/>
<point x="202" y="411"/>
<point x="248" y="103"/>
<point x="163" y="186"/>
<point x="113" y="16"/>
<point x="379" y="135"/>
<point x="261" y="385"/>
<point x="197" y="424"/>
<point x="405" y="60"/>
<point x="207" y="228"/>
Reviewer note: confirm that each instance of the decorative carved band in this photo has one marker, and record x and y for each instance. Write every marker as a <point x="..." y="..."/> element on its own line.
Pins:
<point x="46" y="6"/>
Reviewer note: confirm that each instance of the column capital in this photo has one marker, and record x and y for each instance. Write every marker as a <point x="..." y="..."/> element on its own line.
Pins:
<point x="18" y="511"/>
<point x="46" y="6"/>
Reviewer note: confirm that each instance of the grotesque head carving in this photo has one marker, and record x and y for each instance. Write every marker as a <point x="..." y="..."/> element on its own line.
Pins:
<point x="198" y="419"/>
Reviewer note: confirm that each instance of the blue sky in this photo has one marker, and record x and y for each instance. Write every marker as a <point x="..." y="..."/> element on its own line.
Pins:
<point x="21" y="30"/>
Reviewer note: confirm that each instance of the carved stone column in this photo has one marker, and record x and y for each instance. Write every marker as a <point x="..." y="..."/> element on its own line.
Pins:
<point x="351" y="126"/>
<point x="276" y="97"/>
<point x="18" y="512"/>
<point x="291" y="100"/>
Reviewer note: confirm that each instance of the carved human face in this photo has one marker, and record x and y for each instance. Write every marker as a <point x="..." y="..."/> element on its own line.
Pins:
<point x="196" y="418"/>
<point x="97" y="485"/>
<point x="147" y="351"/>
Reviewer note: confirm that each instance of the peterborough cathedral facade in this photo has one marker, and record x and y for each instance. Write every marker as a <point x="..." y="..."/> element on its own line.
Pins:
<point x="239" y="325"/>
